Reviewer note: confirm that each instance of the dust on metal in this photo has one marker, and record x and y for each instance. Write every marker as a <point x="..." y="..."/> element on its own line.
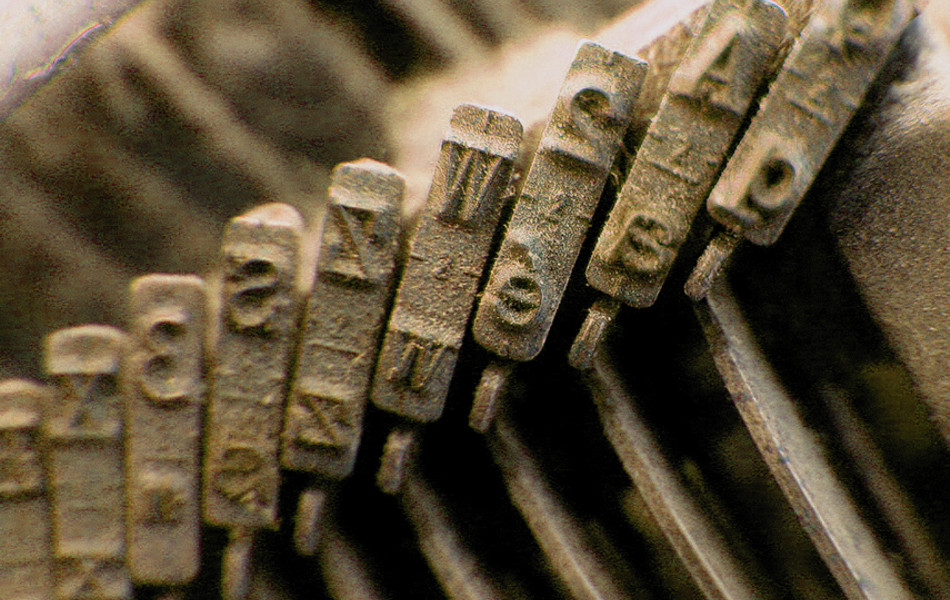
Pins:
<point x="83" y="431"/>
<point x="255" y="336"/>
<point x="821" y="84"/>
<point x="447" y="256"/>
<point x="25" y="553"/>
<point x="677" y="163"/>
<point x="600" y="317"/>
<point x="558" y="200"/>
<point x="397" y="460"/>
<point x="343" y="320"/>
<point x="163" y="383"/>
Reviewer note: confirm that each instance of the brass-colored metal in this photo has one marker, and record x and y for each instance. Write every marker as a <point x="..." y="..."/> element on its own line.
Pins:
<point x="560" y="193"/>
<point x="848" y="545"/>
<point x="164" y="390"/>
<point x="83" y="430"/>
<point x="821" y="84"/>
<point x="26" y="559"/>
<point x="685" y="146"/>
<point x="448" y="253"/>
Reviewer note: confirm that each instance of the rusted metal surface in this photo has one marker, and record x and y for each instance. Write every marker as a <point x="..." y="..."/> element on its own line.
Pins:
<point x="163" y="385"/>
<point x="846" y="542"/>
<point x="26" y="565"/>
<point x="821" y="84"/>
<point x="447" y="255"/>
<point x="714" y="567"/>
<point x="556" y="205"/>
<point x="677" y="163"/>
<point x="83" y="430"/>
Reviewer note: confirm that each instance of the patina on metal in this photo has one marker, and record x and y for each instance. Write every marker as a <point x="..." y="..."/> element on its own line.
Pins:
<point x="843" y="538"/>
<point x="685" y="146"/>
<point x="448" y="253"/>
<point x="163" y="385"/>
<point x="343" y="321"/>
<point x="558" y="200"/>
<point x="26" y="559"/>
<point x="821" y="84"/>
<point x="83" y="430"/>
<point x="255" y="334"/>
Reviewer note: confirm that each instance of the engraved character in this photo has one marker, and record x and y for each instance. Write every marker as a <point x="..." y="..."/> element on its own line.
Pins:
<point x="712" y="73"/>
<point x="160" y="377"/>
<point x="323" y="421"/>
<point x="517" y="300"/>
<point x="472" y="175"/>
<point x="252" y="289"/>
<point x="239" y="477"/>
<point x="418" y="361"/>
<point x="354" y="234"/>
<point x="646" y="245"/>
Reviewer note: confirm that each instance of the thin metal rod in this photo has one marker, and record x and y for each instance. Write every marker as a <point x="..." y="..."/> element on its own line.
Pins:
<point x="452" y="563"/>
<point x="558" y="533"/>
<point x="846" y="543"/>
<point x="703" y="549"/>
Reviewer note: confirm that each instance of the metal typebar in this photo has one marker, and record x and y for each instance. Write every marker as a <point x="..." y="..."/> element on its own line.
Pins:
<point x="703" y="550"/>
<point x="846" y="543"/>
<point x="575" y="562"/>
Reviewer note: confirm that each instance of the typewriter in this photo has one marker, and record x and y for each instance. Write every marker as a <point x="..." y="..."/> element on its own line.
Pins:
<point x="474" y="300"/>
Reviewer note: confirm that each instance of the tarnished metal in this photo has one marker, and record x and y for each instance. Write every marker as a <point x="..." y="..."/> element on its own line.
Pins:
<point x="83" y="430"/>
<point x="556" y="205"/>
<point x="308" y="531"/>
<point x="677" y="163"/>
<point x="710" y="264"/>
<point x="163" y="385"/>
<point x="344" y="317"/>
<point x="489" y="395"/>
<point x="589" y="340"/>
<point x="821" y="84"/>
<point x="26" y="558"/>
<point x="849" y="547"/>
<point x="714" y="567"/>
<point x="255" y="335"/>
<point x="448" y="254"/>
<point x="401" y="445"/>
